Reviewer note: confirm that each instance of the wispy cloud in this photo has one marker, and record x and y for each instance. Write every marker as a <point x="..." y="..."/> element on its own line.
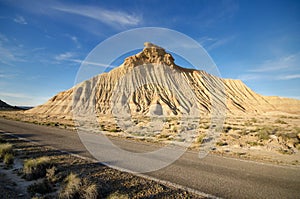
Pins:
<point x="7" y="76"/>
<point x="20" y="20"/>
<point x="283" y="68"/>
<point x="288" y="77"/>
<point x="69" y="56"/>
<point x="74" y="39"/>
<point x="212" y="43"/>
<point x="9" y="53"/>
<point x="109" y="17"/>
<point x="286" y="62"/>
<point x="247" y="77"/>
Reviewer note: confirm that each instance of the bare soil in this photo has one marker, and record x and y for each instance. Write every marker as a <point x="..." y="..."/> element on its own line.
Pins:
<point x="109" y="181"/>
<point x="273" y="137"/>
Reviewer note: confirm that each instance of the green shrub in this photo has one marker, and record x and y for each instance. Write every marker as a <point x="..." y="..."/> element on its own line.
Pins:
<point x="36" y="168"/>
<point x="5" y="148"/>
<point x="8" y="159"/>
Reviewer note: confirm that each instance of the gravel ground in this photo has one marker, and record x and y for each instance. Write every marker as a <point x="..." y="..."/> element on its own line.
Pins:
<point x="109" y="181"/>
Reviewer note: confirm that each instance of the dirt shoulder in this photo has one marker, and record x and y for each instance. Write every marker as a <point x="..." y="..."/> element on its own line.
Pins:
<point x="108" y="182"/>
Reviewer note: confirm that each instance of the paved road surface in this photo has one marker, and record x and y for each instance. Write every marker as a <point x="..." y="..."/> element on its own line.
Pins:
<point x="222" y="177"/>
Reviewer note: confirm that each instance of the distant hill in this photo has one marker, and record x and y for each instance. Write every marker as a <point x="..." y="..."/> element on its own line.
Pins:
<point x="5" y="106"/>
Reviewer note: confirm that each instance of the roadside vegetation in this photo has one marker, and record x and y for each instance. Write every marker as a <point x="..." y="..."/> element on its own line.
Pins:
<point x="54" y="174"/>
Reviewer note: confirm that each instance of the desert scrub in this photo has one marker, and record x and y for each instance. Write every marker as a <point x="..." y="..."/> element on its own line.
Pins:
<point x="200" y="138"/>
<point x="254" y="143"/>
<point x="221" y="143"/>
<point x="254" y="120"/>
<point x="74" y="187"/>
<point x="227" y="129"/>
<point x="36" y="168"/>
<point x="5" y="148"/>
<point x="8" y="159"/>
<point x="118" y="195"/>
<point x="264" y="132"/>
<point x="285" y="151"/>
<point x="43" y="187"/>
<point x="51" y="175"/>
<point x="279" y="121"/>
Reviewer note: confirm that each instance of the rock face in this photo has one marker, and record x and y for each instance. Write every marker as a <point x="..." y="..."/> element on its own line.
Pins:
<point x="154" y="78"/>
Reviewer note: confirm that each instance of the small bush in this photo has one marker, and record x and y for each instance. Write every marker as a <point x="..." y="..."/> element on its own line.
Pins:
<point x="90" y="191"/>
<point x="254" y="143"/>
<point x="285" y="151"/>
<point x="71" y="187"/>
<point x="264" y="132"/>
<point x="8" y="159"/>
<point x="43" y="187"/>
<point x="76" y="188"/>
<point x="263" y="135"/>
<point x="118" y="195"/>
<point x="36" y="168"/>
<point x="5" y="148"/>
<point x="278" y="121"/>
<point x="227" y="129"/>
<point x="221" y="143"/>
<point x="254" y="120"/>
<point x="51" y="174"/>
<point x="200" y="138"/>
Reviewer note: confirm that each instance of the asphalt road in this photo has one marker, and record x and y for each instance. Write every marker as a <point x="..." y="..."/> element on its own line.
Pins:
<point x="215" y="175"/>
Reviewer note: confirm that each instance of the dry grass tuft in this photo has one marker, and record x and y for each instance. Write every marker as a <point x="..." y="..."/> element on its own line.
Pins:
<point x="76" y="188"/>
<point x="5" y="148"/>
<point x="8" y="159"/>
<point x="36" y="168"/>
<point x="118" y="195"/>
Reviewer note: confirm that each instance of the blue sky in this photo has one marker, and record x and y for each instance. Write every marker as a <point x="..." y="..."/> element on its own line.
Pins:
<point x="43" y="42"/>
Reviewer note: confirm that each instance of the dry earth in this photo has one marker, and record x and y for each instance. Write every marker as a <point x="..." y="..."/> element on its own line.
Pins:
<point x="272" y="137"/>
<point x="109" y="182"/>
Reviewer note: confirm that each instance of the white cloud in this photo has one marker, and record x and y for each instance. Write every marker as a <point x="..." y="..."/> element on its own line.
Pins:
<point x="20" y="20"/>
<point x="110" y="17"/>
<point x="64" y="56"/>
<point x="74" y="39"/>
